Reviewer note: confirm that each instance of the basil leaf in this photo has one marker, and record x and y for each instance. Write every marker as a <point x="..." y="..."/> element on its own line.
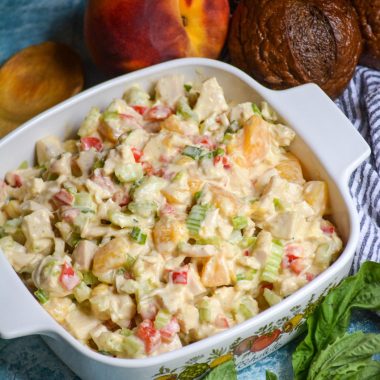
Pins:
<point x="225" y="371"/>
<point x="370" y="372"/>
<point x="270" y="375"/>
<point x="346" y="355"/>
<point x="331" y="318"/>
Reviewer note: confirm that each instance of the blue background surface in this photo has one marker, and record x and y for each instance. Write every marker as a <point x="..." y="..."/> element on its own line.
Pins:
<point x="26" y="22"/>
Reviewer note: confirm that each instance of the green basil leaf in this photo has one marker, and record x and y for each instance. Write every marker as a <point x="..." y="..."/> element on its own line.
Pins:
<point x="331" y="318"/>
<point x="225" y="371"/>
<point x="270" y="375"/>
<point x="347" y="354"/>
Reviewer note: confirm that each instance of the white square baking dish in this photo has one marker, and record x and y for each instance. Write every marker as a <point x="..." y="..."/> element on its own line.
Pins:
<point x="329" y="149"/>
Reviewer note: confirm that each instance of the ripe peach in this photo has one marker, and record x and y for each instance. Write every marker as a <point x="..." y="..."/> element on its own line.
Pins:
<point x="125" y="35"/>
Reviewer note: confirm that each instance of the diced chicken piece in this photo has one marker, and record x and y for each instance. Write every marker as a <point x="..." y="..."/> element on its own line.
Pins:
<point x="194" y="284"/>
<point x="86" y="161"/>
<point x="47" y="148"/>
<point x="80" y="324"/>
<point x="16" y="254"/>
<point x="211" y="100"/>
<point x="283" y="134"/>
<point x="38" y="232"/>
<point x="241" y="113"/>
<point x="84" y="253"/>
<point x="227" y="297"/>
<point x="263" y="246"/>
<point x="174" y="344"/>
<point x="287" y="225"/>
<point x="137" y="138"/>
<point x="178" y="192"/>
<point x="188" y="318"/>
<point x="59" y="308"/>
<point x="169" y="89"/>
<point x="184" y="127"/>
<point x="149" y="268"/>
<point x="62" y="166"/>
<point x="173" y="297"/>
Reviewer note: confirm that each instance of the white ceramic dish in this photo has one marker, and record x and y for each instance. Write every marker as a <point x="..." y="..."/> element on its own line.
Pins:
<point x="329" y="148"/>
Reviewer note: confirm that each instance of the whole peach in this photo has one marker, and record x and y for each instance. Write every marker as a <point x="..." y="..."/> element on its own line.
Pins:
<point x="125" y="35"/>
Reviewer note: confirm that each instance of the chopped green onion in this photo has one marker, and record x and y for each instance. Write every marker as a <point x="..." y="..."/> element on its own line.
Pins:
<point x="98" y="164"/>
<point x="273" y="262"/>
<point x="197" y="195"/>
<point x="193" y="151"/>
<point x="138" y="235"/>
<point x="278" y="204"/>
<point x="89" y="278"/>
<point x="41" y="296"/>
<point x="214" y="240"/>
<point x="129" y="172"/>
<point x="187" y="87"/>
<point x="120" y="271"/>
<point x="23" y="165"/>
<point x="233" y="127"/>
<point x="163" y="317"/>
<point x="239" y="222"/>
<point x="130" y="262"/>
<point x="256" y="109"/>
<point x="227" y="138"/>
<point x="73" y="239"/>
<point x="70" y="188"/>
<point x="178" y="176"/>
<point x="83" y="202"/>
<point x="195" y="218"/>
<point x="218" y="152"/>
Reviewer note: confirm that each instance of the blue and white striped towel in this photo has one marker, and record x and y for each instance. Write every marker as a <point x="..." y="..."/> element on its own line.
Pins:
<point x="361" y="104"/>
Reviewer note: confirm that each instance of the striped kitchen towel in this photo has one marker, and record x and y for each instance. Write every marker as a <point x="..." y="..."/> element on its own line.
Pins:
<point x="361" y="104"/>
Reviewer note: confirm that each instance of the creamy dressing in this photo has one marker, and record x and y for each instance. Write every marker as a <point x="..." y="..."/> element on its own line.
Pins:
<point x="169" y="219"/>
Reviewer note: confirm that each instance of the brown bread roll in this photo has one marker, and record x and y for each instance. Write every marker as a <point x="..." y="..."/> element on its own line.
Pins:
<point x="369" y="19"/>
<point x="285" y="43"/>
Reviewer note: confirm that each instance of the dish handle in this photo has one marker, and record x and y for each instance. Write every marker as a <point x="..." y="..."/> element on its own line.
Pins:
<point x="341" y="148"/>
<point x="20" y="313"/>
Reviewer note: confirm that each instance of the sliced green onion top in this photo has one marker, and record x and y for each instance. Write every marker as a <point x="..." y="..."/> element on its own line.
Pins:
<point x="89" y="278"/>
<point x="23" y="165"/>
<point x="256" y="109"/>
<point x="278" y="204"/>
<point x="193" y="151"/>
<point x="138" y="235"/>
<point x="42" y="296"/>
<point x="187" y="87"/>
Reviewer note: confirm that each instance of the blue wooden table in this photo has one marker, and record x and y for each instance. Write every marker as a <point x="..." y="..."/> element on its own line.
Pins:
<point x="26" y="22"/>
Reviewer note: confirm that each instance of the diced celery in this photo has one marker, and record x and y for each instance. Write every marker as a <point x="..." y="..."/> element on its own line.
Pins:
<point x="195" y="218"/>
<point x="122" y="220"/>
<point x="256" y="109"/>
<point x="235" y="237"/>
<point x="136" y="96"/>
<point x="247" y="242"/>
<point x="247" y="307"/>
<point x="218" y="152"/>
<point x="213" y="240"/>
<point x="228" y="137"/>
<point x="134" y="346"/>
<point x="184" y="110"/>
<point x="247" y="275"/>
<point x="271" y="297"/>
<point x="323" y="254"/>
<point x="197" y="195"/>
<point x="90" y="123"/>
<point x="163" y="317"/>
<point x="98" y="164"/>
<point x="83" y="202"/>
<point x="23" y="165"/>
<point x="12" y="225"/>
<point x="73" y="239"/>
<point x="129" y="262"/>
<point x="82" y="292"/>
<point x="144" y="208"/>
<point x="273" y="262"/>
<point x="239" y="222"/>
<point x="278" y="204"/>
<point x="129" y="172"/>
<point x="138" y="235"/>
<point x="41" y="296"/>
<point x="126" y="332"/>
<point x="205" y="311"/>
